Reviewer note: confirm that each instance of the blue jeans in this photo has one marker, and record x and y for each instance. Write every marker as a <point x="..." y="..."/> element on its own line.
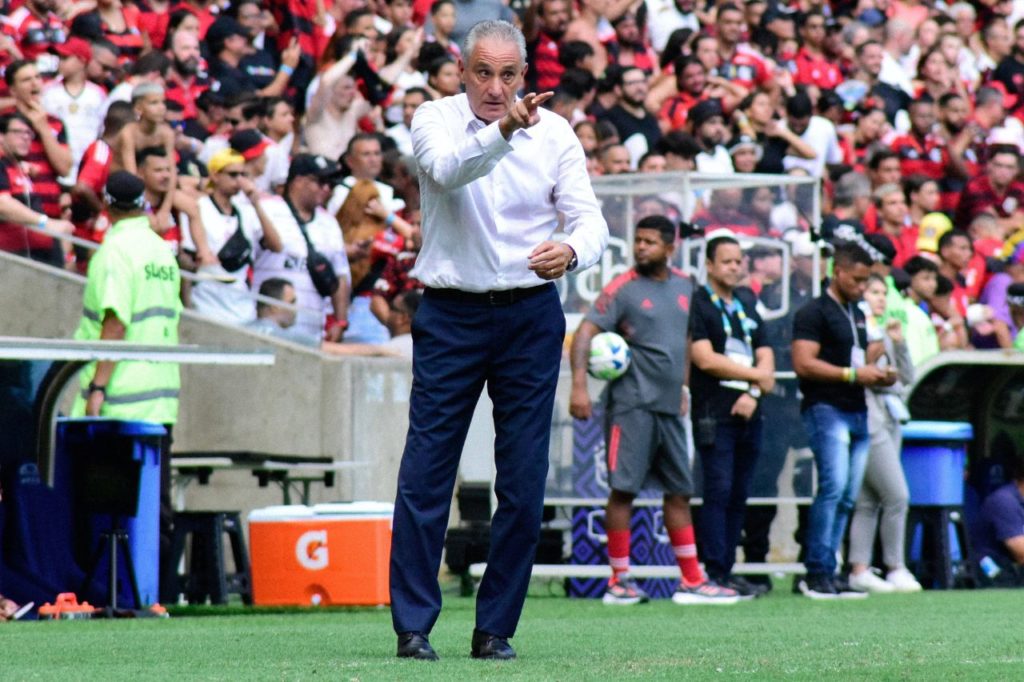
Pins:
<point x="840" y="442"/>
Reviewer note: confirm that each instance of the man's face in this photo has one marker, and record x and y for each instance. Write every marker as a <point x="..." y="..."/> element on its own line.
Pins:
<point x="730" y="27"/>
<point x="813" y="31"/>
<point x="1002" y="169"/>
<point x="18" y="138"/>
<point x="399" y="12"/>
<point x="156" y="174"/>
<point x="999" y="41"/>
<point x="712" y="132"/>
<point x="650" y="252"/>
<point x="152" y="108"/>
<point x="69" y="67"/>
<point x="653" y="163"/>
<point x="634" y="87"/>
<point x="954" y="114"/>
<point x="615" y="160"/>
<point x="1018" y="40"/>
<point x="726" y="269"/>
<point x="958" y="252"/>
<point x="284" y="316"/>
<point x="922" y="117"/>
<point x="365" y="160"/>
<point x="924" y="283"/>
<point x="492" y="74"/>
<point x="227" y="181"/>
<point x="799" y="124"/>
<point x="27" y="84"/>
<point x="627" y="32"/>
<point x="308" y="191"/>
<point x="693" y="79"/>
<point x="888" y="172"/>
<point x="893" y="209"/>
<point x="554" y="18"/>
<point x="250" y="16"/>
<point x="410" y="103"/>
<point x="185" y="52"/>
<point x="927" y="198"/>
<point x="852" y="280"/>
<point x="871" y="60"/>
<point x="103" y="68"/>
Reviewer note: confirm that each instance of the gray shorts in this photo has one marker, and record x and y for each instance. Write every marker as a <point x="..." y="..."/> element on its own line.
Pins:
<point x="644" y="446"/>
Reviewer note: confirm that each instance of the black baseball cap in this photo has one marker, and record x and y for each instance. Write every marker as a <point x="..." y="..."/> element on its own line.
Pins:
<point x="704" y="110"/>
<point x="124" y="191"/>
<point x="313" y="164"/>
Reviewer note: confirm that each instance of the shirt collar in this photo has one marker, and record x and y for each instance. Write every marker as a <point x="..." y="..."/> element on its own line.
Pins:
<point x="473" y="124"/>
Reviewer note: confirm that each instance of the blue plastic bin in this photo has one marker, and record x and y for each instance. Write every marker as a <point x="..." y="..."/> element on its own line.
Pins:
<point x="135" y="447"/>
<point x="934" y="455"/>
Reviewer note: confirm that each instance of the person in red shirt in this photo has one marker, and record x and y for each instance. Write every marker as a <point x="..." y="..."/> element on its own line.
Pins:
<point x="120" y="25"/>
<point x="813" y="66"/>
<point x="692" y="84"/>
<point x="185" y="79"/>
<point x="740" y="63"/>
<point x="35" y="29"/>
<point x="998" y="191"/>
<point x="87" y="193"/>
<point x="629" y="48"/>
<point x="543" y="50"/>
<point x="921" y="150"/>
<point x="894" y="221"/>
<point x="48" y="157"/>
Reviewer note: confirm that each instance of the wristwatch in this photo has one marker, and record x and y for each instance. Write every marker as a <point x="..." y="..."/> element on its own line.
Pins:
<point x="573" y="262"/>
<point x="93" y="388"/>
<point x="754" y="392"/>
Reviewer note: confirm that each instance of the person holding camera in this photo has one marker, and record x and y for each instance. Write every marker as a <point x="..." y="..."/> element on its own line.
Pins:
<point x="313" y="256"/>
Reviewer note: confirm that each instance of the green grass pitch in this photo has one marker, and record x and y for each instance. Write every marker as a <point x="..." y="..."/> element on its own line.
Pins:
<point x="931" y="636"/>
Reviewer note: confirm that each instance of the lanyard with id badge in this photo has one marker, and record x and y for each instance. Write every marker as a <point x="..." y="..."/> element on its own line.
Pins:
<point x="739" y="351"/>
<point x="857" y="354"/>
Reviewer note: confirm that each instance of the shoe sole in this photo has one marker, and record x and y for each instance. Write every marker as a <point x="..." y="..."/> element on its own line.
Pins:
<point x="852" y="596"/>
<point x="622" y="601"/>
<point x="694" y="599"/>
<point x="817" y="596"/>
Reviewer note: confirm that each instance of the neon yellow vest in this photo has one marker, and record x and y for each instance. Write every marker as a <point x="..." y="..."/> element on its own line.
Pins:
<point x="134" y="275"/>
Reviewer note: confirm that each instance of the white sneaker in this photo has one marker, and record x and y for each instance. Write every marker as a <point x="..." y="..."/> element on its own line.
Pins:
<point x="867" y="581"/>
<point x="903" y="580"/>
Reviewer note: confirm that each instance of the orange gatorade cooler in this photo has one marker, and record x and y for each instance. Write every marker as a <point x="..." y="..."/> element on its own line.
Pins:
<point x="321" y="555"/>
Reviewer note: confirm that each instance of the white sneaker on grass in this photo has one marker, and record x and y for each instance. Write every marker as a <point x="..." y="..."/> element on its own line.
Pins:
<point x="903" y="580"/>
<point x="867" y="581"/>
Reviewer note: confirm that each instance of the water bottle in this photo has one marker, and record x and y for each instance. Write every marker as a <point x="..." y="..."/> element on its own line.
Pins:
<point x="989" y="567"/>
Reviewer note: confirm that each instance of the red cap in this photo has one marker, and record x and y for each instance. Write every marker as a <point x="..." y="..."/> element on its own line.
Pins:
<point x="75" y="47"/>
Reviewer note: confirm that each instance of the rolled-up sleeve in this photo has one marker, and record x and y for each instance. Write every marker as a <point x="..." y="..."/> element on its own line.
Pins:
<point x="447" y="163"/>
<point x="575" y="199"/>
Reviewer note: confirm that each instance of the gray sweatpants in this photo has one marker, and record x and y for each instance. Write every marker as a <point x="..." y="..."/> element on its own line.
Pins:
<point x="884" y="492"/>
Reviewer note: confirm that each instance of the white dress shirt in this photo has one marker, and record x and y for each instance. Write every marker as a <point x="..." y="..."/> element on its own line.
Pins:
<point x="487" y="203"/>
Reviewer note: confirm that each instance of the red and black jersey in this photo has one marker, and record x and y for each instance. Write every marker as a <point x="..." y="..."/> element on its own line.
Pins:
<point x="93" y="173"/>
<point x="980" y="196"/>
<point x="129" y="41"/>
<point x="186" y="94"/>
<point x="153" y="24"/>
<point x="205" y="15"/>
<point x="35" y="36"/>
<point x="17" y="183"/>
<point x="394" y="278"/>
<point x="926" y="156"/>
<point x="676" y="109"/>
<point x="545" y="69"/>
<point x="811" y="70"/>
<point x="39" y="169"/>
<point x="644" y="57"/>
<point x="747" y="68"/>
<point x="296" y="19"/>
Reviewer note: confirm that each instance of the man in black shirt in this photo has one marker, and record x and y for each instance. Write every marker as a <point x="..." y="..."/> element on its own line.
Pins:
<point x="732" y="365"/>
<point x="834" y="362"/>
<point x="637" y="128"/>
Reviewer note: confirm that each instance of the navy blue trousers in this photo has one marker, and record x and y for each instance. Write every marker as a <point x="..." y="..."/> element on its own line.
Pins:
<point x="458" y="348"/>
<point x="728" y="467"/>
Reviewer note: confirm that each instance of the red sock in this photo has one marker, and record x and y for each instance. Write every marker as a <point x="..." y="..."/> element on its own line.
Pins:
<point x="684" y="544"/>
<point x="618" y="551"/>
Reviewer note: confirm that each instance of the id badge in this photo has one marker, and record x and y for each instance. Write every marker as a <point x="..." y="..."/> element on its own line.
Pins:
<point x="737" y="351"/>
<point x="857" y="357"/>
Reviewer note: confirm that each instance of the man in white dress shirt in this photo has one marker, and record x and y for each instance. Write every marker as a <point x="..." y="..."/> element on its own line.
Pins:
<point x="496" y="173"/>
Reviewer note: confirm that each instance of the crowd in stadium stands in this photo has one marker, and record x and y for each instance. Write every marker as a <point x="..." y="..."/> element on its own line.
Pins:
<point x="275" y="134"/>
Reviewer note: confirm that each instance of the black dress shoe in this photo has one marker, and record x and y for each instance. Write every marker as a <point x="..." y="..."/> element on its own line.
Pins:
<point x="492" y="647"/>
<point x="415" y="645"/>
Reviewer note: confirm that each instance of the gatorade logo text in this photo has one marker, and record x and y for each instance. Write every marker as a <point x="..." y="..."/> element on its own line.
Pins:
<point x="311" y="550"/>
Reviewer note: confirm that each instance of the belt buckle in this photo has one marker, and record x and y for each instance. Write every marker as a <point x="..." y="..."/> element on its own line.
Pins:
<point x="500" y="297"/>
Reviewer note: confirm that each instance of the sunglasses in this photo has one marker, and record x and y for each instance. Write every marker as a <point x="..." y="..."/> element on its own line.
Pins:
<point x="235" y="174"/>
<point x="234" y="121"/>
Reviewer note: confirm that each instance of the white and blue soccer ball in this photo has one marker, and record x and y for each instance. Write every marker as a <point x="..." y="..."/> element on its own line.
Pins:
<point x="609" y="356"/>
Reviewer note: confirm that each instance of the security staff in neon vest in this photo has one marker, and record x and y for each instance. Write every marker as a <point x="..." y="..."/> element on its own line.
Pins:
<point x="131" y="294"/>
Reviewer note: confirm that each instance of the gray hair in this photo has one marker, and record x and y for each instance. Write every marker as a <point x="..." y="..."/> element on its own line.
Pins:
<point x="145" y="90"/>
<point x="850" y="187"/>
<point x="496" y="30"/>
<point x="959" y="7"/>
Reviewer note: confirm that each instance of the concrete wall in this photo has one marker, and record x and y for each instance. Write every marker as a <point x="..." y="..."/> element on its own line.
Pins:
<point x="306" y="404"/>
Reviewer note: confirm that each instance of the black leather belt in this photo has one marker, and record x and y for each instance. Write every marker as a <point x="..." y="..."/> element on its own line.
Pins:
<point x="498" y="297"/>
